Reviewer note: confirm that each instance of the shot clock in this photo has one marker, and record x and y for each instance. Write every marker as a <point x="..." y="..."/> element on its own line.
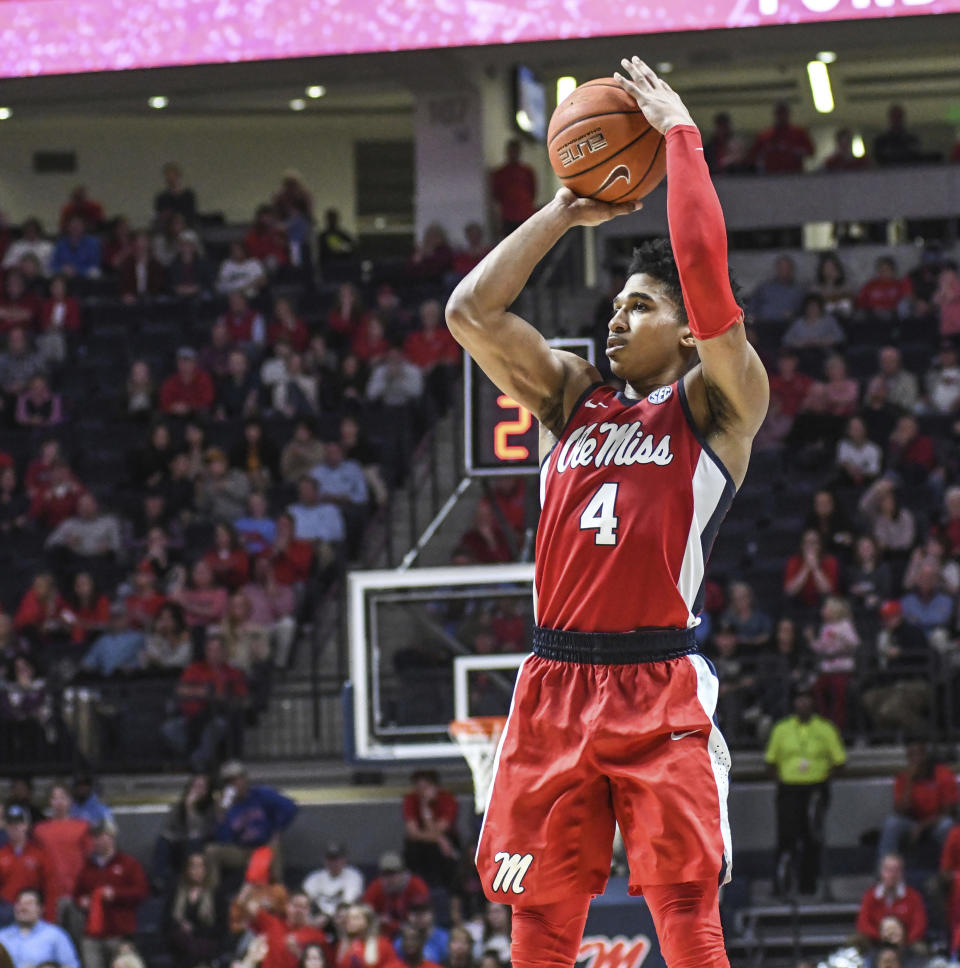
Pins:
<point x="501" y="437"/>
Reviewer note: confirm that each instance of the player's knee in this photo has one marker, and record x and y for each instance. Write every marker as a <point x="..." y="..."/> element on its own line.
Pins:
<point x="687" y="918"/>
<point x="548" y="935"/>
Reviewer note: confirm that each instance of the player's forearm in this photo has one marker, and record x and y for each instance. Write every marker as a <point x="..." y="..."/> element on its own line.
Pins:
<point x="494" y="284"/>
<point x="698" y="235"/>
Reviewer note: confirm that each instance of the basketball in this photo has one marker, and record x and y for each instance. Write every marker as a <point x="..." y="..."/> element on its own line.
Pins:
<point x="601" y="146"/>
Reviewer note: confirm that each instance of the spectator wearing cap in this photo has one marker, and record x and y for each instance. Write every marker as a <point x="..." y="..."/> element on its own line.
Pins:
<point x="23" y="862"/>
<point x="249" y="816"/>
<point x="31" y="942"/>
<point x="336" y="883"/>
<point x="803" y="751"/>
<point x="925" y="801"/>
<point x="189" y="390"/>
<point x="222" y="490"/>
<point x="66" y="841"/>
<point x="86" y="804"/>
<point x="394" y="892"/>
<point x="431" y="844"/>
<point x="117" y="649"/>
<point x="109" y="891"/>
<point x="21" y="794"/>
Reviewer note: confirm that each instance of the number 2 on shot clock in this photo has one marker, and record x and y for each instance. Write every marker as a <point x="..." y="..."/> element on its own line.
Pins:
<point x="505" y="429"/>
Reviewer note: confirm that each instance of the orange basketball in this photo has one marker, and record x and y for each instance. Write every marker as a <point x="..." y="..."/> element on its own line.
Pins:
<point x="601" y="146"/>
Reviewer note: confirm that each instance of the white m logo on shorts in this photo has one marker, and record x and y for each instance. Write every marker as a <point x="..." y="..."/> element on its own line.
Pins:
<point x="513" y="868"/>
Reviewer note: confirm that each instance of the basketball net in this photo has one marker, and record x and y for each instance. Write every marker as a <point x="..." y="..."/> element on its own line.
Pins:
<point x="478" y="739"/>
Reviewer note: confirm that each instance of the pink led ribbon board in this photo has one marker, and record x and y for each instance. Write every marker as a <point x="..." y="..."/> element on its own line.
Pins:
<point x="75" y="36"/>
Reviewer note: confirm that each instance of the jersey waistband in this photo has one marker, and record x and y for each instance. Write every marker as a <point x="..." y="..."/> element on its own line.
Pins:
<point x="613" y="648"/>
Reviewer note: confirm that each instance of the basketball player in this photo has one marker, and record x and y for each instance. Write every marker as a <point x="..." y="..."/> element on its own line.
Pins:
<point x="612" y="714"/>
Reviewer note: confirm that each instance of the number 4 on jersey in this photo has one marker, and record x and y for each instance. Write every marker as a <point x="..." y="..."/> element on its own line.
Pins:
<point x="600" y="515"/>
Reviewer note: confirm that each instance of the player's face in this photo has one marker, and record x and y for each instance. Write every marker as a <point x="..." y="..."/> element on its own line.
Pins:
<point x="646" y="338"/>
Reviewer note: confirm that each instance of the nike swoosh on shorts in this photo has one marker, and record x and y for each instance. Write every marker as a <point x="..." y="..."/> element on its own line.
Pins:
<point x="689" y="732"/>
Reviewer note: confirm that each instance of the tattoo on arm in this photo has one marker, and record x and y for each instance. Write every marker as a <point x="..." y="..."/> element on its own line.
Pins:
<point x="551" y="410"/>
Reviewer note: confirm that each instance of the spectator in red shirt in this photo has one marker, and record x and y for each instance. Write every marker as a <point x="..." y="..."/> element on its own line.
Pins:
<point x="292" y="559"/>
<point x="394" y="892"/>
<point x="189" y="390"/>
<point x="788" y="384"/>
<point x="362" y="945"/>
<point x="109" y="891"/>
<point x="59" y="315"/>
<point x="843" y="158"/>
<point x="431" y="846"/>
<point x="18" y="307"/>
<point x="140" y="275"/>
<point x="950" y="878"/>
<point x="90" y="609"/>
<point x="514" y="189"/>
<point x="289" y="936"/>
<point x="435" y="351"/>
<point x="23" y="863"/>
<point x="810" y="574"/>
<point x="244" y="324"/>
<point x="227" y="560"/>
<point x="267" y="240"/>
<point x="348" y="316"/>
<point x="42" y="611"/>
<point x="883" y="295"/>
<point x="67" y="842"/>
<point x="286" y="324"/>
<point x="891" y="898"/>
<point x="909" y="452"/>
<point x="213" y="696"/>
<point x="485" y="542"/>
<point x="56" y="500"/>
<point x="82" y="206"/>
<point x="370" y="343"/>
<point x="783" y="147"/>
<point x="464" y="259"/>
<point x="40" y="469"/>
<point x="924" y="802"/>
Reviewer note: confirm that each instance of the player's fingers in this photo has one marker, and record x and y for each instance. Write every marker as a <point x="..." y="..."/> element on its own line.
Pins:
<point x="631" y="88"/>
<point x="645" y="71"/>
<point x="633" y="71"/>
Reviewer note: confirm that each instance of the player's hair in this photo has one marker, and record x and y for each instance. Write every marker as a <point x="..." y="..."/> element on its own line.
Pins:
<point x="655" y="258"/>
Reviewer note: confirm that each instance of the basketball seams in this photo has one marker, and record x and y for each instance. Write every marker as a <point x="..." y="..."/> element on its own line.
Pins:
<point x="643" y="178"/>
<point x="589" y="117"/>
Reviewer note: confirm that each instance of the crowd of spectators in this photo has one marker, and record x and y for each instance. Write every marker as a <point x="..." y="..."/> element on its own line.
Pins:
<point x="220" y="890"/>
<point x="194" y="437"/>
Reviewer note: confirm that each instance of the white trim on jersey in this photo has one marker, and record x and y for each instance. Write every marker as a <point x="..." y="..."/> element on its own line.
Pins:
<point x="708" y="486"/>
<point x="708" y="688"/>
<point x="496" y="759"/>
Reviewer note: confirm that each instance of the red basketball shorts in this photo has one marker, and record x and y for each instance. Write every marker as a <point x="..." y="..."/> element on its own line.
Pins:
<point x="586" y="746"/>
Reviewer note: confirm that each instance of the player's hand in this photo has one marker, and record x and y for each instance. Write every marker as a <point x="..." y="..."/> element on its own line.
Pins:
<point x="588" y="211"/>
<point x="660" y="103"/>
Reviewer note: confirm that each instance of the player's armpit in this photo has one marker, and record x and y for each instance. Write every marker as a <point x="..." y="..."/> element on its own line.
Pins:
<point x="735" y="384"/>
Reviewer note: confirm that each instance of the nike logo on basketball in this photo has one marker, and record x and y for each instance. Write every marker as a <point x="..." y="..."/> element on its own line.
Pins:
<point x="513" y="869"/>
<point x="593" y="406"/>
<point x="690" y="732"/>
<point x="621" y="171"/>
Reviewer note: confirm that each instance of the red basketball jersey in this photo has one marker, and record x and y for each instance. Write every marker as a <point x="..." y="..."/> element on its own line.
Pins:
<point x="632" y="498"/>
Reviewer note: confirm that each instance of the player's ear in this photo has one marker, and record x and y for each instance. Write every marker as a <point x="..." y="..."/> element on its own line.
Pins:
<point x="687" y="341"/>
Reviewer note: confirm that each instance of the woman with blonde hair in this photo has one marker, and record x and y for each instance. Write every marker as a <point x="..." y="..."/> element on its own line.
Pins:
<point x="364" y="946"/>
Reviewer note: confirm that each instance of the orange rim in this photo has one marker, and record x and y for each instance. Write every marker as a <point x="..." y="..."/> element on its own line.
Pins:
<point x="477" y="726"/>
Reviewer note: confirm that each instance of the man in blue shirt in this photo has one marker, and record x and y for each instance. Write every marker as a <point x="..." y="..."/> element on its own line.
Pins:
<point x="249" y="817"/>
<point x="76" y="253"/>
<point x="86" y="804"/>
<point x="315" y="520"/>
<point x="117" y="649"/>
<point x="778" y="299"/>
<point x="30" y="941"/>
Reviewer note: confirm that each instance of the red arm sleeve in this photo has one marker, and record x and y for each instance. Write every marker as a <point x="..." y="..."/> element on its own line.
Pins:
<point x="698" y="236"/>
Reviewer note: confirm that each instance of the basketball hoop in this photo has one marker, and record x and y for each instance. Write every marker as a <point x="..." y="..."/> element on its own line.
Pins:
<point x="478" y="739"/>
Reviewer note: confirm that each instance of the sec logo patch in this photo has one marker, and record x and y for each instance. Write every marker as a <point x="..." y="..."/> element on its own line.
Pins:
<point x="660" y="395"/>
